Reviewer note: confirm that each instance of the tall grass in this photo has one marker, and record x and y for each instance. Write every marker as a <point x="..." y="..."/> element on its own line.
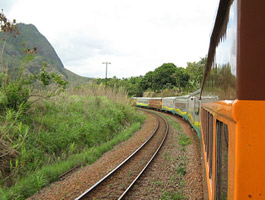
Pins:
<point x="118" y="95"/>
<point x="74" y="128"/>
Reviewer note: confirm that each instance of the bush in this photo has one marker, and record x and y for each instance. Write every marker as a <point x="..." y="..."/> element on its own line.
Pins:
<point x="58" y="129"/>
<point x="13" y="95"/>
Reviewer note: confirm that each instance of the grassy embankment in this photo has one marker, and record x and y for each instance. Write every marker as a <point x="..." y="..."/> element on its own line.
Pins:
<point x="74" y="128"/>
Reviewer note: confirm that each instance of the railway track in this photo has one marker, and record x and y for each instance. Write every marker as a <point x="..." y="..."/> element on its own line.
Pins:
<point x="118" y="182"/>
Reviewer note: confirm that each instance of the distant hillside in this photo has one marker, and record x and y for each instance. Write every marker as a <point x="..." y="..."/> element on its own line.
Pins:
<point x="30" y="37"/>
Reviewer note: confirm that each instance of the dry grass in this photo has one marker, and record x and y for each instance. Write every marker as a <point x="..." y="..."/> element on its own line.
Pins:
<point x="118" y="95"/>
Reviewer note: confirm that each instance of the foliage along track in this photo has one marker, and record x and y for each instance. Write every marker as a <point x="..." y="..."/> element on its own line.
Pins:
<point x="160" y="181"/>
<point x="118" y="182"/>
<point x="77" y="182"/>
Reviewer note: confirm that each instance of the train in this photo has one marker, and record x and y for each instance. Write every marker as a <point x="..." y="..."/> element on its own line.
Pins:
<point x="228" y="112"/>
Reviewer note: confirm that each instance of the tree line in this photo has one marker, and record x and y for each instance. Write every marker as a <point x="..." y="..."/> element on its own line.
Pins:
<point x="166" y="80"/>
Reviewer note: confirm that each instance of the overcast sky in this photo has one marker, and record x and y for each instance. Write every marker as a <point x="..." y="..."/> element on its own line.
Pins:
<point x="136" y="36"/>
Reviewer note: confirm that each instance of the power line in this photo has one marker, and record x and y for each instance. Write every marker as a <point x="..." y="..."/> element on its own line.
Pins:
<point x="106" y="71"/>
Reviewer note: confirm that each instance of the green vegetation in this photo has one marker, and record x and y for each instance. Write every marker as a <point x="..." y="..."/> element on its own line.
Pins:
<point x="222" y="81"/>
<point x="44" y="133"/>
<point x="157" y="182"/>
<point x="167" y="155"/>
<point x="172" y="196"/>
<point x="58" y="134"/>
<point x="184" y="140"/>
<point x="166" y="80"/>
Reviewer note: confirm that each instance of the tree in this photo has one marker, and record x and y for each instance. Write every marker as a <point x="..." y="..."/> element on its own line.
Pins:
<point x="133" y="87"/>
<point x="7" y="26"/>
<point x="146" y="81"/>
<point x="226" y="81"/>
<point x="182" y="78"/>
<point x="162" y="77"/>
<point x="166" y="77"/>
<point x="195" y="71"/>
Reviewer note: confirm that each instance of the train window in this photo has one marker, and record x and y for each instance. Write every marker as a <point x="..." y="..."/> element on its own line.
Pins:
<point x="205" y="128"/>
<point x="202" y="123"/>
<point x="206" y="133"/>
<point x="197" y="106"/>
<point x="221" y="180"/>
<point x="209" y="133"/>
<point x="210" y="144"/>
<point x="208" y="138"/>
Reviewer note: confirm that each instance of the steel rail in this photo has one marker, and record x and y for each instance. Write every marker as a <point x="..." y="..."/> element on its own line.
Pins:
<point x="151" y="159"/>
<point x="127" y="159"/>
<point x="61" y="177"/>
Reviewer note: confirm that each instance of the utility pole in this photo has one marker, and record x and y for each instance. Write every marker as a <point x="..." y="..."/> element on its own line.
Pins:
<point x="106" y="71"/>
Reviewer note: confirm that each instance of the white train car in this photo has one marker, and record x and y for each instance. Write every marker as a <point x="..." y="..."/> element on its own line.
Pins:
<point x="142" y="102"/>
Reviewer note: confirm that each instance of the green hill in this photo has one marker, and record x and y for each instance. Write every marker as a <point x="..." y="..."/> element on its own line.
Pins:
<point x="30" y="37"/>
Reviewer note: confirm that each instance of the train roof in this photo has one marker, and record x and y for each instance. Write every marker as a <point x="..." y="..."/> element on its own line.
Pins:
<point x="142" y="97"/>
<point x="197" y="92"/>
<point x="169" y="97"/>
<point x="177" y="97"/>
<point x="155" y="98"/>
<point x="182" y="97"/>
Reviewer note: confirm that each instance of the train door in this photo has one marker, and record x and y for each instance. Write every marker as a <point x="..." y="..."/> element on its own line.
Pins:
<point x="191" y="105"/>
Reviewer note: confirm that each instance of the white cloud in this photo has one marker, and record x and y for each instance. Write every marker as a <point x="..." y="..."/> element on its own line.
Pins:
<point x="136" y="36"/>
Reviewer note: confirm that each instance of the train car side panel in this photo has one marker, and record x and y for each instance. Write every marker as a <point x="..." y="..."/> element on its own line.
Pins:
<point x="218" y="141"/>
<point x="180" y="106"/>
<point x="193" y="109"/>
<point x="155" y="103"/>
<point x="142" y="102"/>
<point x="168" y="104"/>
<point x="250" y="149"/>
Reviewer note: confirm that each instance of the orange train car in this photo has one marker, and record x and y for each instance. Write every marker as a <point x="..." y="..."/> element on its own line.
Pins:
<point x="232" y="103"/>
<point x="233" y="133"/>
<point x="155" y="103"/>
